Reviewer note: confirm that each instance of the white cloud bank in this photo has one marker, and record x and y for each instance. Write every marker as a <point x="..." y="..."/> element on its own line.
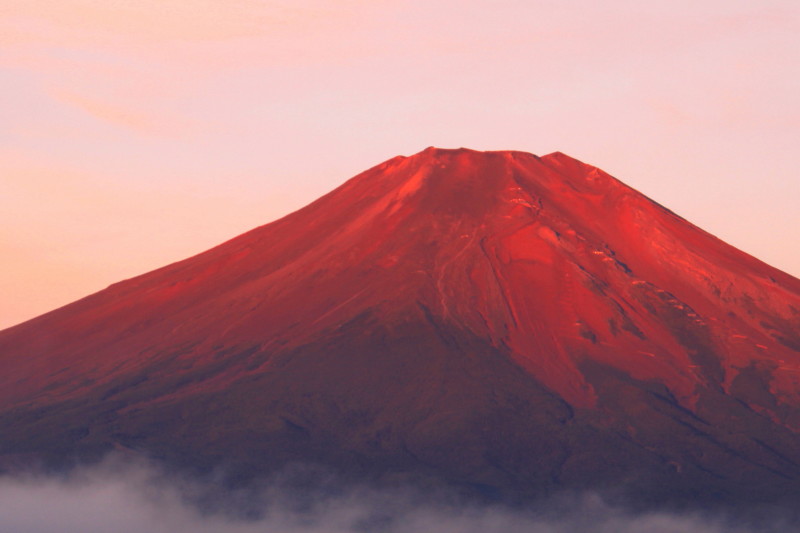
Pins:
<point x="127" y="498"/>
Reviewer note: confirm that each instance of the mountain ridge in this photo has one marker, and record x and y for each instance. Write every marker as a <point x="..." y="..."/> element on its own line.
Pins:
<point x="500" y="300"/>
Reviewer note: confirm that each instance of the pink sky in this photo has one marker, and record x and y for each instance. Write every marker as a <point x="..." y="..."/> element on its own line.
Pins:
<point x="137" y="133"/>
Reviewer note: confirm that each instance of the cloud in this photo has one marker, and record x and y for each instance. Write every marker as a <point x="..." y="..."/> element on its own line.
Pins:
<point x="164" y="19"/>
<point x="159" y="21"/>
<point x="120" y="116"/>
<point x="124" y="496"/>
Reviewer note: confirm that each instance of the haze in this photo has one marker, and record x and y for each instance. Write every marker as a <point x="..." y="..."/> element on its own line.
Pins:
<point x="138" y="133"/>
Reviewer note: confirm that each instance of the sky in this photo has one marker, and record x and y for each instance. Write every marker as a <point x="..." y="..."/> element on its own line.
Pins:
<point x="134" y="133"/>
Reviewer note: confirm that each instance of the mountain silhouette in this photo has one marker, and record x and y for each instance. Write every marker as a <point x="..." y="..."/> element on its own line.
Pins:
<point x="503" y="322"/>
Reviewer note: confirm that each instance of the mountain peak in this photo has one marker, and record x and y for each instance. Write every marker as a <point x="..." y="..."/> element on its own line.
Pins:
<point x="496" y="317"/>
<point x="462" y="163"/>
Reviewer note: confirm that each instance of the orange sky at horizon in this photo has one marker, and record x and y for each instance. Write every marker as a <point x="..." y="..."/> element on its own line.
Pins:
<point x="137" y="133"/>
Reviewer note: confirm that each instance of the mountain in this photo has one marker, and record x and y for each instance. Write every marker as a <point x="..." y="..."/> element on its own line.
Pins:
<point x="504" y="322"/>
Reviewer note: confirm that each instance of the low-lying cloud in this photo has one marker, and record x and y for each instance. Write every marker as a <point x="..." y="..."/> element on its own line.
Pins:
<point x="124" y="497"/>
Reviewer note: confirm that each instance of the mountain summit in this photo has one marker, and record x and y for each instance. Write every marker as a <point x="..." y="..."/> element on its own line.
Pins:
<point x="497" y="320"/>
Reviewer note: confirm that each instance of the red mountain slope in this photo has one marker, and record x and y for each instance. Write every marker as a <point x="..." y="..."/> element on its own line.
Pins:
<point x="494" y="318"/>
